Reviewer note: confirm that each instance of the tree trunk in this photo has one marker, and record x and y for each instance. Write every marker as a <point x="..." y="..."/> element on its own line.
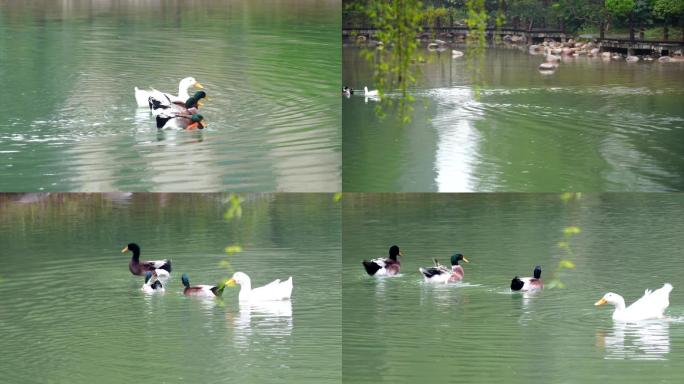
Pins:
<point x="666" y="32"/>
<point x="631" y="33"/>
<point x="641" y="33"/>
<point x="602" y="30"/>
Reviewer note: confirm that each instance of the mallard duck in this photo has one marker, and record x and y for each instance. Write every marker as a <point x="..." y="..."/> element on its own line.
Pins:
<point x="142" y="96"/>
<point x="138" y="267"/>
<point x="384" y="267"/>
<point x="275" y="290"/>
<point x="346" y="91"/>
<point x="166" y="106"/>
<point x="441" y="274"/>
<point x="528" y="283"/>
<point x="373" y="93"/>
<point x="152" y="283"/>
<point x="201" y="290"/>
<point x="184" y="122"/>
<point x="651" y="306"/>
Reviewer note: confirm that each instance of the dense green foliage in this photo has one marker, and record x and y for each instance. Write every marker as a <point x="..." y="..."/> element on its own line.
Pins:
<point x="569" y="15"/>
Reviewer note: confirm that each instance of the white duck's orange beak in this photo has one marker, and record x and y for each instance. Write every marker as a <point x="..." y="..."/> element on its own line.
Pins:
<point x="231" y="283"/>
<point x="600" y="302"/>
<point x="198" y="85"/>
<point x="124" y="250"/>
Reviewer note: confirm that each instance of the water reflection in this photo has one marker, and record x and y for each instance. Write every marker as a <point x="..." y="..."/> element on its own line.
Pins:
<point x="640" y="341"/>
<point x="268" y="318"/>
<point x="457" y="139"/>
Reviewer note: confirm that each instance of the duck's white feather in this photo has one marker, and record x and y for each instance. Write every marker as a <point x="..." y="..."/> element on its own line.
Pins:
<point x="142" y="96"/>
<point x="275" y="290"/>
<point x="650" y="306"/>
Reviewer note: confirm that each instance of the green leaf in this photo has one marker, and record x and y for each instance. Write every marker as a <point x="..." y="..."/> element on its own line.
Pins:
<point x="231" y="249"/>
<point x="567" y="264"/>
<point x="572" y="230"/>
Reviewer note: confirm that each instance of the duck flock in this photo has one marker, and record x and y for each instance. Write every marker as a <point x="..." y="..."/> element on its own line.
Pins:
<point x="650" y="306"/>
<point x="175" y="112"/>
<point x="157" y="273"/>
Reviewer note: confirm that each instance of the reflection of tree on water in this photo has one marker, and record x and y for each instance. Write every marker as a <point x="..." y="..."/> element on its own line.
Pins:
<point x="639" y="341"/>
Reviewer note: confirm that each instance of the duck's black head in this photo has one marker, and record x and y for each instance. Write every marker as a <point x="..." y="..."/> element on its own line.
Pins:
<point x="148" y="276"/>
<point x="394" y="252"/>
<point x="185" y="280"/>
<point x="458" y="257"/>
<point x="516" y="284"/>
<point x="132" y="247"/>
<point x="537" y="272"/>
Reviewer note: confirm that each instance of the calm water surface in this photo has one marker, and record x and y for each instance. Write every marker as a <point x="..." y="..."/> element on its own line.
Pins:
<point x="402" y="330"/>
<point x="71" y="312"/>
<point x="270" y="67"/>
<point x="591" y="126"/>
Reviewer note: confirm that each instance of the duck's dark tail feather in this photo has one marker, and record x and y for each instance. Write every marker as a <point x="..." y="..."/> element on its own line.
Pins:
<point x="166" y="266"/>
<point x="517" y="284"/>
<point x="371" y="267"/>
<point x="430" y="272"/>
<point x="161" y="121"/>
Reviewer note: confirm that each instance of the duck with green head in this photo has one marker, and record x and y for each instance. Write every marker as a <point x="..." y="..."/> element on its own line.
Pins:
<point x="152" y="283"/>
<point x="201" y="290"/>
<point x="188" y="123"/>
<point x="441" y="274"/>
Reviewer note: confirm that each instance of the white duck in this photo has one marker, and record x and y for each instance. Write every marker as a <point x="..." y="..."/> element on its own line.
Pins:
<point x="152" y="283"/>
<point x="275" y="290"/>
<point x="373" y="93"/>
<point x="456" y="54"/>
<point x="650" y="306"/>
<point x="142" y="96"/>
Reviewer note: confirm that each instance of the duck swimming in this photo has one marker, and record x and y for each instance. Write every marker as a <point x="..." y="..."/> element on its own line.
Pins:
<point x="142" y="96"/>
<point x="166" y="106"/>
<point x="384" y="267"/>
<point x="528" y="283"/>
<point x="152" y="284"/>
<point x="173" y="115"/>
<point x="184" y="122"/>
<point x="201" y="290"/>
<point x="373" y="93"/>
<point x="138" y="267"/>
<point x="441" y="274"/>
<point x="650" y="306"/>
<point x="275" y="290"/>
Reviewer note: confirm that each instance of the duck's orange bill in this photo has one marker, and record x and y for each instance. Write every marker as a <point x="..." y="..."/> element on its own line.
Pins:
<point x="198" y="85"/>
<point x="192" y="126"/>
<point x="600" y="302"/>
<point x="231" y="283"/>
<point x="124" y="250"/>
<point x="466" y="260"/>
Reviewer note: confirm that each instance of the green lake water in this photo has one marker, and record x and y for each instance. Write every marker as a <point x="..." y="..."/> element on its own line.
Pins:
<point x="71" y="312"/>
<point x="590" y="126"/>
<point x="402" y="330"/>
<point x="70" y="122"/>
